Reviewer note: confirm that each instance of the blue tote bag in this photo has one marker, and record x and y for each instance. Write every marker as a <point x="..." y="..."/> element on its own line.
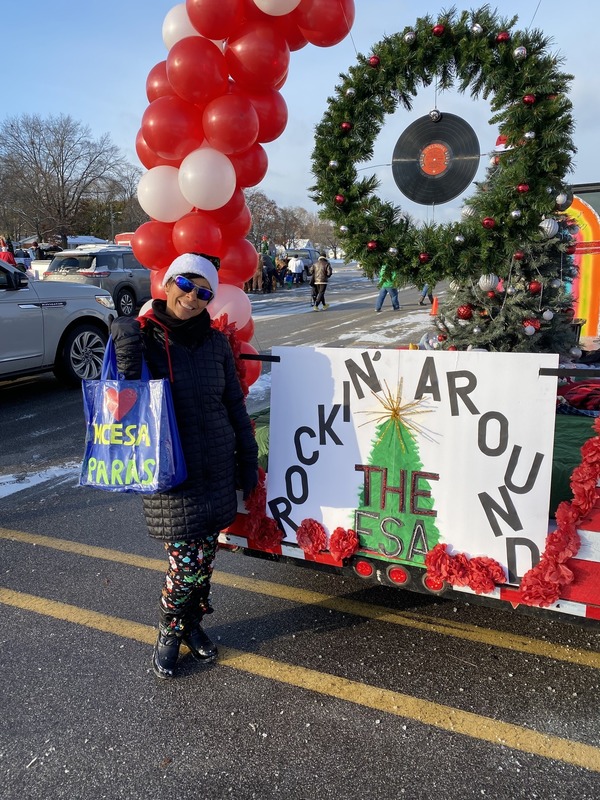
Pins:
<point x="132" y="442"/>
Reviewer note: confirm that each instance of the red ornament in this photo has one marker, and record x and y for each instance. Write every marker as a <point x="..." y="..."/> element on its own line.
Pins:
<point x="535" y="323"/>
<point x="518" y="255"/>
<point x="453" y="347"/>
<point x="535" y="287"/>
<point x="346" y="126"/>
<point x="374" y="61"/>
<point x="424" y="258"/>
<point x="529" y="99"/>
<point x="438" y="30"/>
<point x="502" y="37"/>
<point x="522" y="188"/>
<point x="491" y="294"/>
<point x="488" y="222"/>
<point x="339" y="199"/>
<point x="570" y="249"/>
<point x="371" y="246"/>
<point x="464" y="312"/>
<point x="442" y="337"/>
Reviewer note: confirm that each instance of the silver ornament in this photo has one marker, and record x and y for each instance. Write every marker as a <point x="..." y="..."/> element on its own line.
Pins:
<point x="549" y="227"/>
<point x="575" y="352"/>
<point x="561" y="198"/>
<point x="344" y="228"/>
<point x="476" y="29"/>
<point x="350" y="91"/>
<point x="409" y="37"/>
<point x="515" y="213"/>
<point x="459" y="238"/>
<point x="556" y="283"/>
<point x="476" y="330"/>
<point x="333" y="164"/>
<point x="454" y="286"/>
<point x="435" y="115"/>
<point x="529" y="330"/>
<point x="520" y="53"/>
<point x="548" y="315"/>
<point x="530" y="135"/>
<point x="488" y="282"/>
<point x="393" y="251"/>
<point x="511" y="290"/>
<point x="468" y="211"/>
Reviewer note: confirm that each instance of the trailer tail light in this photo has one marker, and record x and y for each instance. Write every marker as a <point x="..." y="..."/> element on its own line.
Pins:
<point x="433" y="584"/>
<point x="398" y="575"/>
<point x="364" y="569"/>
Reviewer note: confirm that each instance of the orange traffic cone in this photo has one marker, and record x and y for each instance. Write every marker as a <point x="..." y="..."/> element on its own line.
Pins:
<point x="434" y="307"/>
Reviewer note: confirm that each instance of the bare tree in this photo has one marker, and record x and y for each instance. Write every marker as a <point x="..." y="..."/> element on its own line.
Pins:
<point x="265" y="216"/>
<point x="52" y="166"/>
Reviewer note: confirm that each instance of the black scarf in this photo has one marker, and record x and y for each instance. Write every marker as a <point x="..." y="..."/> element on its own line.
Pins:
<point x="189" y="332"/>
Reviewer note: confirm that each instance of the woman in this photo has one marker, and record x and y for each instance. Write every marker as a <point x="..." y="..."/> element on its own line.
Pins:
<point x="218" y="442"/>
<point x="320" y="272"/>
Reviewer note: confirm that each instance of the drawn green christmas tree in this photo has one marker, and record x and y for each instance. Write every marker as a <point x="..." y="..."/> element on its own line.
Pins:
<point x="396" y="517"/>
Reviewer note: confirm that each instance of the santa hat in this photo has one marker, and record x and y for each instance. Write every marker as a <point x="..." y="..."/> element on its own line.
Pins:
<point x="191" y="264"/>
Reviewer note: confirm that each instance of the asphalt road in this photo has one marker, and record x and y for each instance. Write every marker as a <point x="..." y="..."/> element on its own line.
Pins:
<point x="326" y="687"/>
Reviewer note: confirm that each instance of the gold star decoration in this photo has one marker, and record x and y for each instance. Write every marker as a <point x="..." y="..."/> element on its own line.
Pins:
<point x="400" y="417"/>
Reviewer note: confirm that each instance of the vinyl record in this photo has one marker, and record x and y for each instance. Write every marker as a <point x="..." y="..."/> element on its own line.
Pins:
<point x="433" y="162"/>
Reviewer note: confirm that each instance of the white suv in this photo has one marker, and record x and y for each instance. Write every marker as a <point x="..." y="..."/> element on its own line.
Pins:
<point x="46" y="326"/>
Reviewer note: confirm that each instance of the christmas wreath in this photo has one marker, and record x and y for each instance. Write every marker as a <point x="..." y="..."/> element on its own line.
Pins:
<point x="511" y="228"/>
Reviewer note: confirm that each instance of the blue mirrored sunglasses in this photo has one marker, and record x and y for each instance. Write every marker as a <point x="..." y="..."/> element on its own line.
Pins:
<point x="187" y="286"/>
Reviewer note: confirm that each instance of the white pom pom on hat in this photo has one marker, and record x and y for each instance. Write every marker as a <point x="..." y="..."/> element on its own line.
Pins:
<point x="191" y="264"/>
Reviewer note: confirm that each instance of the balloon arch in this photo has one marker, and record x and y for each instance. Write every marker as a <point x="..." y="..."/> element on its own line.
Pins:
<point x="213" y="103"/>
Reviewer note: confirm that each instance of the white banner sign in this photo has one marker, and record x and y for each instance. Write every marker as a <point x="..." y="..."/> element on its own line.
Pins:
<point x="413" y="448"/>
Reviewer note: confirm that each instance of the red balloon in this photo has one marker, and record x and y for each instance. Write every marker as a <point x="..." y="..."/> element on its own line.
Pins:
<point x="272" y="114"/>
<point x="247" y="332"/>
<point x="250" y="166"/>
<point x="239" y="227"/>
<point x="230" y="210"/>
<point x="230" y="123"/>
<point x="214" y="19"/>
<point x="257" y="56"/>
<point x="253" y="368"/>
<point x="291" y="32"/>
<point x="156" y="278"/>
<point x="197" y="69"/>
<point x="148" y="157"/>
<point x="238" y="262"/>
<point x="281" y="82"/>
<point x="153" y="246"/>
<point x="197" y="232"/>
<point x="172" y="128"/>
<point x="324" y="23"/>
<point x="157" y="83"/>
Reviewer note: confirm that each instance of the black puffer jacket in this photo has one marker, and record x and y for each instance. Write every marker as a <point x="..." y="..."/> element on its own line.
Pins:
<point x="216" y="433"/>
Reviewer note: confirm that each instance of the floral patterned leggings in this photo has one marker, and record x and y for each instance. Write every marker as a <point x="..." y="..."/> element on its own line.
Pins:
<point x="190" y="568"/>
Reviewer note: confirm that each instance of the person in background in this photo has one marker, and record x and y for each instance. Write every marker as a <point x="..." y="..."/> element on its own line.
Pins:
<point x="296" y="267"/>
<point x="180" y="344"/>
<point x="257" y="278"/>
<point x="426" y="291"/>
<point x="281" y="270"/>
<point x="269" y="273"/>
<point x="6" y="255"/>
<point x="320" y="274"/>
<point x="35" y="252"/>
<point x="387" y="285"/>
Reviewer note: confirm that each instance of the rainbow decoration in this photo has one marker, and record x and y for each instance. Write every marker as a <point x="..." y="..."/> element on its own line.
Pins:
<point x="586" y="287"/>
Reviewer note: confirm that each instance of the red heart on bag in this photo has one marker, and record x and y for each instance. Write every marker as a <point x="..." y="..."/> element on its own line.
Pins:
<point x="119" y="403"/>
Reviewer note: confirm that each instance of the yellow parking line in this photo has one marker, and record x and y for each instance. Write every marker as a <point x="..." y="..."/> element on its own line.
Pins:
<point x="459" y="630"/>
<point x="445" y="718"/>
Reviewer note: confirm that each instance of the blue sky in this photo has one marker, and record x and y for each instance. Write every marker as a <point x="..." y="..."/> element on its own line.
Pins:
<point x="91" y="61"/>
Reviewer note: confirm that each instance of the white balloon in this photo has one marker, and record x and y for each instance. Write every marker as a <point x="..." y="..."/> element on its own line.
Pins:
<point x="232" y="301"/>
<point x="177" y="26"/>
<point x="207" y="178"/>
<point x="160" y="196"/>
<point x="276" y="8"/>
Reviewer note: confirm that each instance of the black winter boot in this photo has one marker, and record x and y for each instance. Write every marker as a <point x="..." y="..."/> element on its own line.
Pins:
<point x="166" y="649"/>
<point x="198" y="641"/>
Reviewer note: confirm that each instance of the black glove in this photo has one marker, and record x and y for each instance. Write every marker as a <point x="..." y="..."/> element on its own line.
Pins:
<point x="248" y="480"/>
<point x="127" y="336"/>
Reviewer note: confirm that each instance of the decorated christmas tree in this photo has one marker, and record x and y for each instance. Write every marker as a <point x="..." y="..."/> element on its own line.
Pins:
<point x="509" y="256"/>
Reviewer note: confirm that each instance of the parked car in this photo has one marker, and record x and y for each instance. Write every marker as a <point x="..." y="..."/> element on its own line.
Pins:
<point x="45" y="326"/>
<point x="112" y="267"/>
<point x="307" y="254"/>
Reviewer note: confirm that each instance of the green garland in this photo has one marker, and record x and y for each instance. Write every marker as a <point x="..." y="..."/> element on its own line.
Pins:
<point x="476" y="51"/>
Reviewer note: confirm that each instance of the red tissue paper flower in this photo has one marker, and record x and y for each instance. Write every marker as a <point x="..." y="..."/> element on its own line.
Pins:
<point x="268" y="535"/>
<point x="343" y="543"/>
<point x="311" y="537"/>
<point x="480" y="573"/>
<point x="230" y="330"/>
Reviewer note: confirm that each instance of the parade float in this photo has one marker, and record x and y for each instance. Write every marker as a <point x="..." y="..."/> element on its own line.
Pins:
<point x="444" y="469"/>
